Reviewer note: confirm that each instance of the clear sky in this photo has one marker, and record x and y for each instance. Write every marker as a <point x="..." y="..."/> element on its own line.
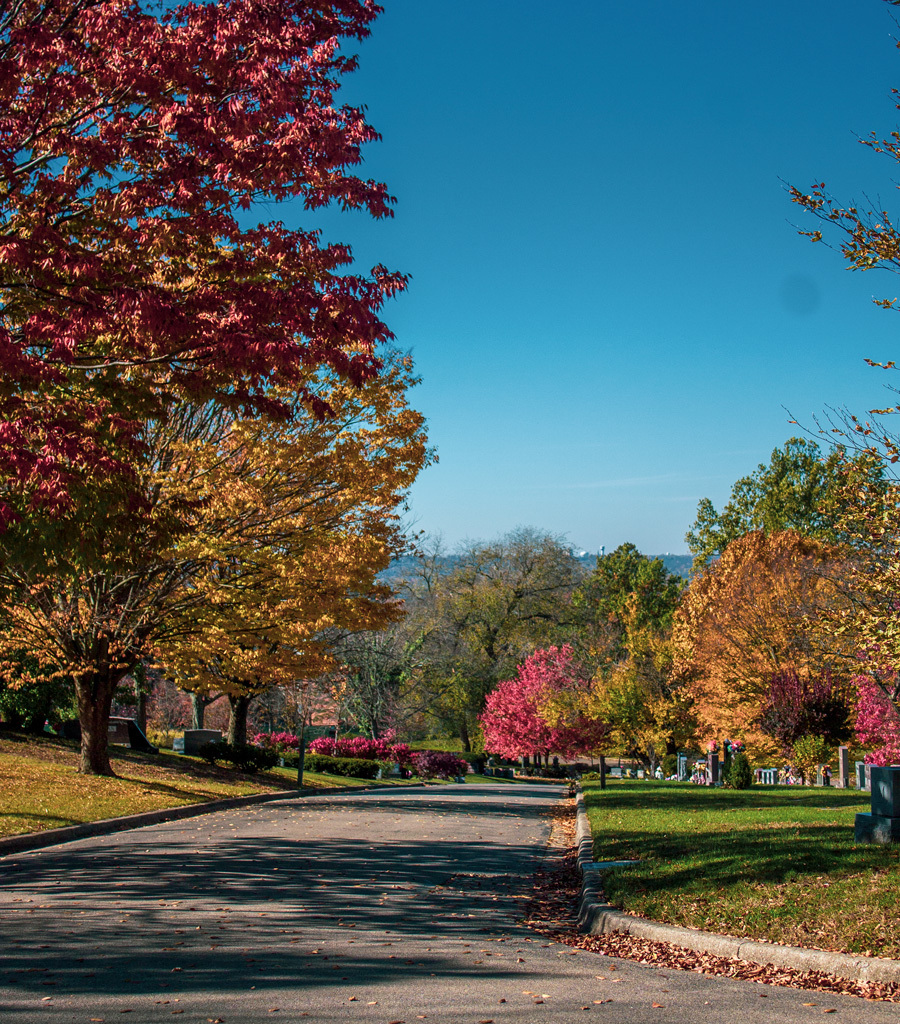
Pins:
<point x="610" y="305"/>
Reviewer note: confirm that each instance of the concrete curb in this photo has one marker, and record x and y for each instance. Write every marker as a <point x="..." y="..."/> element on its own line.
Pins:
<point x="596" y="916"/>
<point x="109" y="826"/>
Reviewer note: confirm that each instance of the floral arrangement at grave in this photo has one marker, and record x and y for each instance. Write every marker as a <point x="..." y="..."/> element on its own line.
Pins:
<point x="713" y="746"/>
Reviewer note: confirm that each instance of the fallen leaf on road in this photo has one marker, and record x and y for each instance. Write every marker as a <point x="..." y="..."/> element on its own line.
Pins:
<point x="831" y="1009"/>
<point x="658" y="1006"/>
<point x="352" y="999"/>
<point x="810" y="1004"/>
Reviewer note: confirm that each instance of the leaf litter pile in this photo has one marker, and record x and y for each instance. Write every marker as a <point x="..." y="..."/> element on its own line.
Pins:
<point x="552" y="911"/>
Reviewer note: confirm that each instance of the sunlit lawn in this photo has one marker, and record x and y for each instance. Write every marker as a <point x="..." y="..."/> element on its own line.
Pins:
<point x="41" y="788"/>
<point x="771" y="862"/>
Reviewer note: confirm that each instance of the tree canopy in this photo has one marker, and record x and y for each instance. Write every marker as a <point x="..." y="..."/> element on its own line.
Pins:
<point x="135" y="139"/>
<point x="747" y="617"/>
<point x="799" y="489"/>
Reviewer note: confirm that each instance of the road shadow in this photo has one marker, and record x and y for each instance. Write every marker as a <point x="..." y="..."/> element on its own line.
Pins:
<point x="134" y="920"/>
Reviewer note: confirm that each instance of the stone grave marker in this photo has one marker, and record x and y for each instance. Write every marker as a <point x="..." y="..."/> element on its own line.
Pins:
<point x="882" y="825"/>
<point x="194" y="739"/>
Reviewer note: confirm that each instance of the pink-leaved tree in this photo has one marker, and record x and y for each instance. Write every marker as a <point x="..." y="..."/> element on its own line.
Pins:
<point x="514" y="722"/>
<point x="877" y="722"/>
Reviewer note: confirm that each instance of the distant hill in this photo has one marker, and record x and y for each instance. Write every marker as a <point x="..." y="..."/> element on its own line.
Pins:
<point x="679" y="565"/>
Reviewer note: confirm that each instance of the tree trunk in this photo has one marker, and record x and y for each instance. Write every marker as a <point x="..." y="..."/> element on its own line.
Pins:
<point x="237" y="720"/>
<point x="464" y="735"/>
<point x="94" y="696"/>
<point x="198" y="709"/>
<point x="142" y="711"/>
<point x="139" y="675"/>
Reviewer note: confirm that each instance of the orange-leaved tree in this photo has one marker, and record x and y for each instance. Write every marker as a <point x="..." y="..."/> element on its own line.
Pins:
<point x="754" y="613"/>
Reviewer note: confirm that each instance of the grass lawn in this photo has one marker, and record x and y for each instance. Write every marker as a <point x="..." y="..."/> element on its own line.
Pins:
<point x="40" y="787"/>
<point x="770" y="862"/>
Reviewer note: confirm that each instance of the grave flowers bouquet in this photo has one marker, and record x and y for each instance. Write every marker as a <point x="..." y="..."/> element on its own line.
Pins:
<point x="734" y="746"/>
<point x="712" y="746"/>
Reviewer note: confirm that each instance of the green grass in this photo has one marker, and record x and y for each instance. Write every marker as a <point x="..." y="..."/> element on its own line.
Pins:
<point x="41" y="788"/>
<point x="438" y="743"/>
<point x="771" y="862"/>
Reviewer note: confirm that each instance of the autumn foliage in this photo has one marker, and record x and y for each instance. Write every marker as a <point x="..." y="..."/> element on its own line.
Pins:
<point x="794" y="707"/>
<point x="134" y="139"/>
<point x="746" y="618"/>
<point x="877" y="722"/>
<point x="514" y="721"/>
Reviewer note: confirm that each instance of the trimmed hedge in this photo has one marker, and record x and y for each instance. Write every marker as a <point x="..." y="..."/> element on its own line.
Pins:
<point x="243" y="756"/>
<point x="350" y="767"/>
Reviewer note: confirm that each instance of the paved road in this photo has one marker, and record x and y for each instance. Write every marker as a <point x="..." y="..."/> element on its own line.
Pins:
<point x="380" y="907"/>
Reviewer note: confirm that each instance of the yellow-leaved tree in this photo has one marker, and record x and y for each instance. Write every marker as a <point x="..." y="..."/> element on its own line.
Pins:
<point x="298" y="520"/>
<point x="266" y="535"/>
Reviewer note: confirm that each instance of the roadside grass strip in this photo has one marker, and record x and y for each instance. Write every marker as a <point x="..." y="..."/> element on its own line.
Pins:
<point x="41" y="787"/>
<point x="776" y="863"/>
<point x="36" y="794"/>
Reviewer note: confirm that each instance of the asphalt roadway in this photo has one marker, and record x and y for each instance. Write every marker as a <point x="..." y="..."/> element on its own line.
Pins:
<point x="381" y="907"/>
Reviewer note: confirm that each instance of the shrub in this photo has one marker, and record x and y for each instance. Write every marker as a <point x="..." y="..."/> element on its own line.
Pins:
<point x="350" y="767"/>
<point x="440" y="764"/>
<point x="740" y="775"/>
<point x="670" y="765"/>
<point x="363" y="747"/>
<point x="810" y="751"/>
<point x="244" y="757"/>
<point x="162" y="737"/>
<point x="590" y="776"/>
<point x="215" y="750"/>
<point x="277" y="741"/>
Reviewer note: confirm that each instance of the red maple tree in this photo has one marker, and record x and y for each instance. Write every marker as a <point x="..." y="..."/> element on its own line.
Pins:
<point x="512" y="720"/>
<point x="134" y="138"/>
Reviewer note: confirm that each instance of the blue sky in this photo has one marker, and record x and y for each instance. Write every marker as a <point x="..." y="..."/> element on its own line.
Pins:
<point x="610" y="305"/>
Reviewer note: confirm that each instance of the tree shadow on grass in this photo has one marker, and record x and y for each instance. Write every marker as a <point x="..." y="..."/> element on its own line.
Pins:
<point x="684" y="797"/>
<point x="711" y="861"/>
